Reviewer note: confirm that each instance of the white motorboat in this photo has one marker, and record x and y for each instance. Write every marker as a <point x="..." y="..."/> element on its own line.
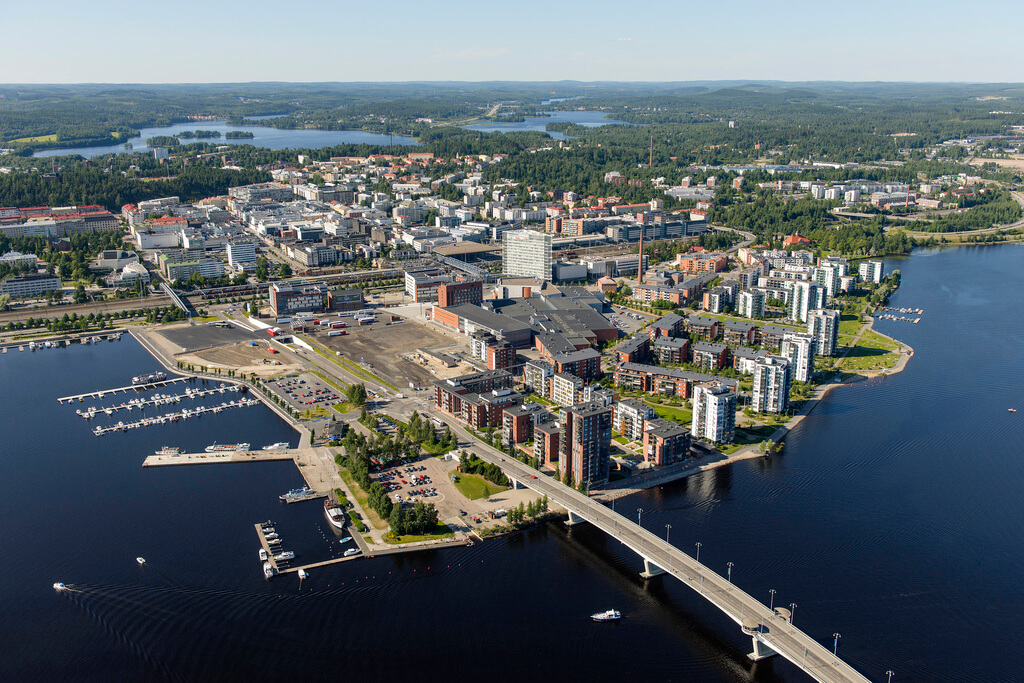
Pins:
<point x="141" y="561"/>
<point x="610" y="615"/>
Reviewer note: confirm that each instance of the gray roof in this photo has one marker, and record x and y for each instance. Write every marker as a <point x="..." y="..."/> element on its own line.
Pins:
<point x="633" y="343"/>
<point x="700" y="321"/>
<point x="709" y="347"/>
<point x="678" y="374"/>
<point x="667" y="321"/>
<point x="739" y="325"/>
<point x="575" y="356"/>
<point x="666" y="428"/>
<point x="671" y="342"/>
<point x="774" y="330"/>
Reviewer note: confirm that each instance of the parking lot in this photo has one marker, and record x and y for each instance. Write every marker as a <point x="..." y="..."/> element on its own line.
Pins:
<point x="629" y="321"/>
<point x="305" y="392"/>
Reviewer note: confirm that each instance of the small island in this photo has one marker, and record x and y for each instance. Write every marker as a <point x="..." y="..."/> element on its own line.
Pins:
<point x="239" y="135"/>
<point x="198" y="134"/>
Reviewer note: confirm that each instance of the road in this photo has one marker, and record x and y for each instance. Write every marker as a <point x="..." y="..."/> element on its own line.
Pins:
<point x="757" y="620"/>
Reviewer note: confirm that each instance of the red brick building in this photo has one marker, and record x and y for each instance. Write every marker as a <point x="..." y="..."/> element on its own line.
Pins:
<point x="456" y="293"/>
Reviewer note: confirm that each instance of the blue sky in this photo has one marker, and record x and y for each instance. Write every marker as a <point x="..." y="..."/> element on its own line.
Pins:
<point x="639" y="40"/>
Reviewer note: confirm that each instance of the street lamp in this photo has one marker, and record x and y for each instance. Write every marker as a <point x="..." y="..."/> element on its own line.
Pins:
<point x="698" y="551"/>
<point x="771" y="605"/>
<point x="835" y="645"/>
<point x="639" y="511"/>
<point x="729" y="564"/>
<point x="668" y="528"/>
<point x="792" y="611"/>
<point x="889" y="674"/>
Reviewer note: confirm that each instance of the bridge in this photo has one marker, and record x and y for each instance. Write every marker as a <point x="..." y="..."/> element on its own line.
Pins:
<point x="177" y="300"/>
<point x="771" y="630"/>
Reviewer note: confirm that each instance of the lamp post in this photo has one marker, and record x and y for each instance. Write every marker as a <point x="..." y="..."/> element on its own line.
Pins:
<point x="771" y="604"/>
<point x="835" y="645"/>
<point x="668" y="528"/>
<point x="639" y="511"/>
<point x="792" y="611"/>
<point x="698" y="551"/>
<point x="729" y="577"/>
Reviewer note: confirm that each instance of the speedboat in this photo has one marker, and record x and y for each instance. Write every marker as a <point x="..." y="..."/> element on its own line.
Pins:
<point x="303" y="574"/>
<point x="141" y="561"/>
<point x="345" y="540"/>
<point x="351" y="551"/>
<point x="59" y="587"/>
<point x="263" y="555"/>
<point x="610" y="615"/>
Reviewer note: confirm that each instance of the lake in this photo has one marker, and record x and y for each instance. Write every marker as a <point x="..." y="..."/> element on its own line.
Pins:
<point x="892" y="518"/>
<point x="589" y="119"/>
<point x="272" y="138"/>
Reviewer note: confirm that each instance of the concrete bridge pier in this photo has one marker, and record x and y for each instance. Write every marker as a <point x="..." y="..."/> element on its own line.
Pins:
<point x="753" y="627"/>
<point x="761" y="651"/>
<point x="574" y="519"/>
<point x="513" y="483"/>
<point x="651" y="570"/>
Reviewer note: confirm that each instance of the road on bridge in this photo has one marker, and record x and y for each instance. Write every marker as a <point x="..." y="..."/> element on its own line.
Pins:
<point x="773" y="630"/>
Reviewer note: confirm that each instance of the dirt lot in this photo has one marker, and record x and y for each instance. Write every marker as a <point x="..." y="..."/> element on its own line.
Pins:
<point x="246" y="359"/>
<point x="383" y="346"/>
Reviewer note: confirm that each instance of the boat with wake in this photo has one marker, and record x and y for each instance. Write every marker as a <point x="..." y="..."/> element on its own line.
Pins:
<point x="610" y="615"/>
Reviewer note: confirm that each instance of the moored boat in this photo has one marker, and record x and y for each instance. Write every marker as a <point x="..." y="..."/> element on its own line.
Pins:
<point x="279" y="446"/>
<point x="227" y="447"/>
<point x="351" y="551"/>
<point x="285" y="556"/>
<point x="335" y="513"/>
<point x="169" y="450"/>
<point x="268" y="570"/>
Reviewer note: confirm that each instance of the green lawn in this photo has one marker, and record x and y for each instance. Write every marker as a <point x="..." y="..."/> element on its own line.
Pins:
<point x="873" y="353"/>
<point x="620" y="439"/>
<point x="683" y="416"/>
<point x="315" y="413"/>
<point x="38" y="138"/>
<point x="442" y="531"/>
<point x="343" y="407"/>
<point x="474" y="486"/>
<point x="534" y="398"/>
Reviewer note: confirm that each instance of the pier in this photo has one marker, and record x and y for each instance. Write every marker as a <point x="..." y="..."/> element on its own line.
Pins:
<point x="316" y="465"/>
<point x="174" y="417"/>
<point x="121" y="390"/>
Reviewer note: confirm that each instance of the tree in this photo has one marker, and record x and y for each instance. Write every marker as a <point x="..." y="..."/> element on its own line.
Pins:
<point x="285" y="271"/>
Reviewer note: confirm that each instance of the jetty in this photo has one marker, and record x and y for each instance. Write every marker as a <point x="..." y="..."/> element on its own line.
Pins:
<point x="159" y="400"/>
<point x="121" y="390"/>
<point x="316" y="465"/>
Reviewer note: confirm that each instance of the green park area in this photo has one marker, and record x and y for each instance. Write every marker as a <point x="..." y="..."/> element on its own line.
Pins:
<point x="474" y="486"/>
<point x="683" y="416"/>
<point x="361" y="498"/>
<point x="873" y="353"/>
<point x="441" y="531"/>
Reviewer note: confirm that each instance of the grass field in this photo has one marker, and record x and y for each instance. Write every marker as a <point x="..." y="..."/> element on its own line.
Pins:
<point x="315" y="413"/>
<point x="683" y="416"/>
<point x="474" y="486"/>
<point x="873" y="353"/>
<point x="442" y="531"/>
<point x="38" y="138"/>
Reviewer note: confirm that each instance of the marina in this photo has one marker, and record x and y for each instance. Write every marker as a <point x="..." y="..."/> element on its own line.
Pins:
<point x="157" y="400"/>
<point x="890" y="313"/>
<point x="175" y="417"/>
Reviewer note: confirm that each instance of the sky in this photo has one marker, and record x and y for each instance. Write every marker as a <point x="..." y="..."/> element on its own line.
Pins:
<point x="117" y="41"/>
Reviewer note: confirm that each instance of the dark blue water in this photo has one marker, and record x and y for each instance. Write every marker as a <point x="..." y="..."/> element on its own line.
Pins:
<point x="271" y="138"/>
<point x="892" y="518"/>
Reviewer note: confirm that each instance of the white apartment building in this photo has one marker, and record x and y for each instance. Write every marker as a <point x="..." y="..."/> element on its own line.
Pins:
<point x="798" y="348"/>
<point x="803" y="299"/>
<point x="751" y="303"/>
<point x="871" y="271"/>
<point x="714" y="413"/>
<point x="771" y="385"/>
<point x="628" y="418"/>
<point x="823" y="325"/>
<point x="526" y="253"/>
<point x="565" y="388"/>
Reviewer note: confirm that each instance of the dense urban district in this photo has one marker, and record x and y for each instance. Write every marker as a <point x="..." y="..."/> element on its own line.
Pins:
<point x="463" y="323"/>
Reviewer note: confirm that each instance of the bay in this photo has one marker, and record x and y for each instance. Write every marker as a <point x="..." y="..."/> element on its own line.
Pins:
<point x="891" y="518"/>
<point x="589" y="119"/>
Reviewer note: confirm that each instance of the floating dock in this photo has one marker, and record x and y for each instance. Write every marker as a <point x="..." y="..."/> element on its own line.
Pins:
<point x="121" y="390"/>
